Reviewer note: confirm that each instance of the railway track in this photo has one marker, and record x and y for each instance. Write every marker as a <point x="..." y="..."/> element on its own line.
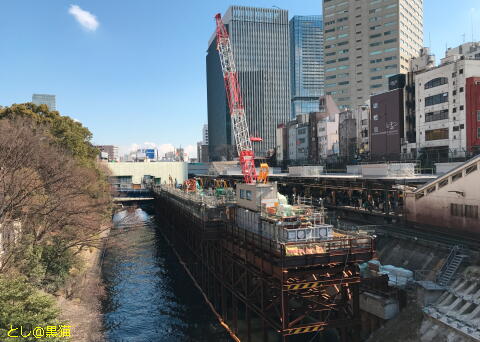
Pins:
<point x="417" y="233"/>
<point x="431" y="235"/>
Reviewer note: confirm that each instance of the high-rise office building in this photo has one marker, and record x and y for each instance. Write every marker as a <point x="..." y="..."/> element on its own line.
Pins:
<point x="366" y="42"/>
<point x="49" y="100"/>
<point x="260" y="43"/>
<point x="306" y="63"/>
<point x="205" y="135"/>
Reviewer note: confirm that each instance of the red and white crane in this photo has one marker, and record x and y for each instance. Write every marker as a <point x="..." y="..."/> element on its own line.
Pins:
<point x="235" y="103"/>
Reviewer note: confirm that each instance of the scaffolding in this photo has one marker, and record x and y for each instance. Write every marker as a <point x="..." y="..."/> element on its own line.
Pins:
<point x="258" y="288"/>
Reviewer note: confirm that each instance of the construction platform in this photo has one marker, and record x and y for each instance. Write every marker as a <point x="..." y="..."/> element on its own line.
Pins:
<point x="269" y="274"/>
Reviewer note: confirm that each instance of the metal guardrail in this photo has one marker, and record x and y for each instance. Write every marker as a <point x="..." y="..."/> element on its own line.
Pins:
<point x="199" y="198"/>
<point x="330" y="245"/>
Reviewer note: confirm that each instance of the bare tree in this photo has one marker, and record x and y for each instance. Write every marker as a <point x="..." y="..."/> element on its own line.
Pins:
<point x="47" y="192"/>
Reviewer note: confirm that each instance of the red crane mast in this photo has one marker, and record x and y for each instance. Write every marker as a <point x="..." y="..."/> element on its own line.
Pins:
<point x="235" y="103"/>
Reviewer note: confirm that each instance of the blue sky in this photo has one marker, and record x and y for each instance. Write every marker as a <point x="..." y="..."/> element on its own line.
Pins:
<point x="136" y="72"/>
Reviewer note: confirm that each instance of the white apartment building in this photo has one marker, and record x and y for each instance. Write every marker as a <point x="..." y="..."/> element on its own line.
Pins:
<point x="365" y="42"/>
<point x="292" y="142"/>
<point x="327" y="131"/>
<point x="362" y="115"/>
<point x="470" y="50"/>
<point x="280" y="142"/>
<point x="448" y="105"/>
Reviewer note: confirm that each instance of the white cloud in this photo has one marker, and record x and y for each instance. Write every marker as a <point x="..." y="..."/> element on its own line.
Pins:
<point x="164" y="148"/>
<point x="191" y="151"/>
<point x="133" y="147"/>
<point x="84" y="18"/>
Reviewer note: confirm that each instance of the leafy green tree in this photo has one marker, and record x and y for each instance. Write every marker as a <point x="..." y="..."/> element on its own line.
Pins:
<point x="66" y="132"/>
<point x="22" y="305"/>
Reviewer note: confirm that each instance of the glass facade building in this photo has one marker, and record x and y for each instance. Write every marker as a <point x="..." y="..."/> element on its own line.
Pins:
<point x="260" y="43"/>
<point x="49" y="100"/>
<point x="306" y="63"/>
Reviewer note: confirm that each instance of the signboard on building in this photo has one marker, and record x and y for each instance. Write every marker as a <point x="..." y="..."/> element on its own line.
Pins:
<point x="396" y="81"/>
<point x="387" y="114"/>
<point x="150" y="153"/>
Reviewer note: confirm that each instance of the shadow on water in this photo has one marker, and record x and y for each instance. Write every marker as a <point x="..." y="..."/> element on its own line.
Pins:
<point x="149" y="295"/>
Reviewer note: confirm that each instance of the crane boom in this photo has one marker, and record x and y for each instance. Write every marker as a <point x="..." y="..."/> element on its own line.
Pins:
<point x="235" y="103"/>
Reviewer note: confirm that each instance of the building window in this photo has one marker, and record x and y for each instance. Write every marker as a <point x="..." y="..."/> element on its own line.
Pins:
<point x="436" y="99"/>
<point x="460" y="71"/>
<point x="436" y="82"/>
<point x="390" y="50"/>
<point x="390" y="41"/>
<point x="436" y="134"/>
<point x="478" y="132"/>
<point x="461" y="210"/>
<point x="461" y="89"/>
<point x="471" y="211"/>
<point x="478" y="115"/>
<point x="454" y="110"/>
<point x="456" y="209"/>
<point x="436" y="115"/>
<point x="461" y="107"/>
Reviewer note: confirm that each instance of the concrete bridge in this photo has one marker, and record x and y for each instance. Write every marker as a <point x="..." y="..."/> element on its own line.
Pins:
<point x="132" y="196"/>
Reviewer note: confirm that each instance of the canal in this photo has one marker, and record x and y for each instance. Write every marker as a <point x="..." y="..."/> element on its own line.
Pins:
<point x="149" y="297"/>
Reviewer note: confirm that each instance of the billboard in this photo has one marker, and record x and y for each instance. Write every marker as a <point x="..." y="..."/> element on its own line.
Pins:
<point x="396" y="81"/>
<point x="386" y="121"/>
<point x="150" y="153"/>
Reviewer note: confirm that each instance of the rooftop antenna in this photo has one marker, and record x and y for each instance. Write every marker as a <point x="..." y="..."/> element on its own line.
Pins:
<point x="463" y="35"/>
<point x="471" y="20"/>
<point x="429" y="40"/>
